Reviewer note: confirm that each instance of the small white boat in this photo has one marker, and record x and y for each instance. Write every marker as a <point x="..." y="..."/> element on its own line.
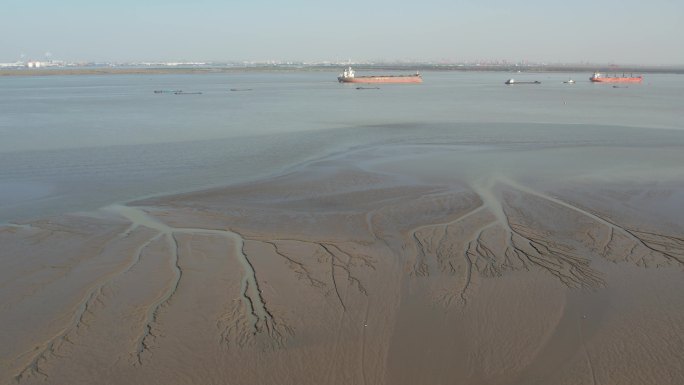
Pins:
<point x="569" y="81"/>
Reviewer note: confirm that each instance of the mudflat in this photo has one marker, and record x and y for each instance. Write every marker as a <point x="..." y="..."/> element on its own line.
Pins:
<point x="398" y="264"/>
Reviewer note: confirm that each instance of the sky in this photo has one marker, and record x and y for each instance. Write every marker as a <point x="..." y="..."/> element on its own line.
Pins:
<point x="594" y="31"/>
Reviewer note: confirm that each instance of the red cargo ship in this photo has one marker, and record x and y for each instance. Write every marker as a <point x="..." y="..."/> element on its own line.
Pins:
<point x="348" y="76"/>
<point x="601" y="78"/>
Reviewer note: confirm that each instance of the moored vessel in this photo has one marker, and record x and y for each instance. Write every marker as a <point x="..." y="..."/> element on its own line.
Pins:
<point x="349" y="76"/>
<point x="598" y="77"/>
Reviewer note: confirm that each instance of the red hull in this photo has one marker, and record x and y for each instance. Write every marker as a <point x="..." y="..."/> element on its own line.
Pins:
<point x="616" y="80"/>
<point x="382" y="79"/>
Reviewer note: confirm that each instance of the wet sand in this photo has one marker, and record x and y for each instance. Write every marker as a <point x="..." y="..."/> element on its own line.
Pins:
<point x="391" y="265"/>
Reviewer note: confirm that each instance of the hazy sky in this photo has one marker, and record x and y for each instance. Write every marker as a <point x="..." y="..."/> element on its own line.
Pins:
<point x="606" y="31"/>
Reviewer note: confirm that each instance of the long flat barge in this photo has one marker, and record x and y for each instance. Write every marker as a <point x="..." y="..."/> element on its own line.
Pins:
<point x="598" y="77"/>
<point x="349" y="76"/>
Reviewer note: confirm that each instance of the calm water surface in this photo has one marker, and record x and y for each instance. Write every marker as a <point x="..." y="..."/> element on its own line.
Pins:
<point x="74" y="143"/>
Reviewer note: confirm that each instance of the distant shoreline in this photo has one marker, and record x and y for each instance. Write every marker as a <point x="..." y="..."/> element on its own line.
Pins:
<point x="403" y="67"/>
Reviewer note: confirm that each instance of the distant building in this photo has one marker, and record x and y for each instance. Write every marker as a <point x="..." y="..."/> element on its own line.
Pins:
<point x="41" y="64"/>
<point x="12" y="65"/>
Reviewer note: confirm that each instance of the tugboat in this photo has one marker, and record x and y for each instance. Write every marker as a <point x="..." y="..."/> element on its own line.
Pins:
<point x="349" y="76"/>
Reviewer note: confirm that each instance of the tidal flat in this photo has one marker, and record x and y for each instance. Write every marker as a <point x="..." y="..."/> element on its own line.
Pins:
<point x="385" y="264"/>
<point x="458" y="232"/>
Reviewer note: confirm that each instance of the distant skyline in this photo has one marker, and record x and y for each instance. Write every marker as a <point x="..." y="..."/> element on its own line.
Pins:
<point x="600" y="31"/>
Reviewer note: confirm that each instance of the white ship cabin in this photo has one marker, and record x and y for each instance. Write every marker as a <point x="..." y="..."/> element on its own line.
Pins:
<point x="597" y="75"/>
<point x="348" y="73"/>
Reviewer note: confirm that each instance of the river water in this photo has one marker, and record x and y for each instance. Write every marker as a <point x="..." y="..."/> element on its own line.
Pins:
<point x="77" y="143"/>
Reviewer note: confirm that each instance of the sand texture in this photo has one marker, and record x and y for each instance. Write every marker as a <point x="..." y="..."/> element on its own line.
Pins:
<point x="366" y="268"/>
